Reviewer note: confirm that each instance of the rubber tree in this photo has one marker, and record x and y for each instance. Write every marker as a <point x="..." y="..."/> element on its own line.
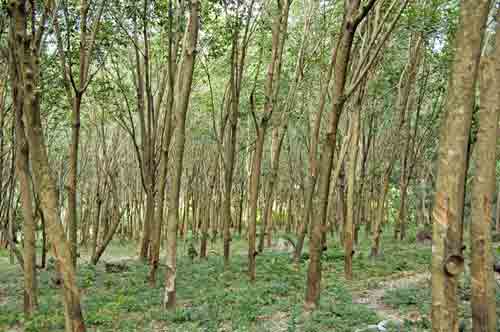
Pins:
<point x="239" y="47"/>
<point x="280" y="129"/>
<point x="483" y="287"/>
<point x="25" y="57"/>
<point x="354" y="14"/>
<point x="182" y="93"/>
<point x="271" y="88"/>
<point x="447" y="217"/>
<point x="75" y="90"/>
<point x="24" y="176"/>
<point x="174" y="43"/>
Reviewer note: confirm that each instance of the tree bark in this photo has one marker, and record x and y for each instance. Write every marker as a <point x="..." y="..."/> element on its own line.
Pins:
<point x="181" y="103"/>
<point x="449" y="198"/>
<point x="23" y="174"/>
<point x="25" y="52"/>
<point x="278" y="136"/>
<point x="483" y="279"/>
<point x="279" y="34"/>
<point x="351" y="189"/>
<point x="380" y="212"/>
<point x="351" y="21"/>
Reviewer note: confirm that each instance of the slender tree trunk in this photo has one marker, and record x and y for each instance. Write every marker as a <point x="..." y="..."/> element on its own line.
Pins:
<point x="209" y="211"/>
<point x="252" y="202"/>
<point x="240" y="211"/>
<point x="313" y="286"/>
<point x="351" y="190"/>
<point x="497" y="219"/>
<point x="380" y="213"/>
<point x="273" y="177"/>
<point x="303" y="227"/>
<point x="400" y="227"/>
<point x="71" y="217"/>
<point x="156" y="244"/>
<point x="75" y="92"/>
<point x="44" y="240"/>
<point x="116" y="216"/>
<point x="289" y="214"/>
<point x="405" y="103"/>
<point x="279" y="31"/>
<point x="204" y="228"/>
<point x="181" y="102"/>
<point x="95" y="228"/>
<point x="148" y="220"/>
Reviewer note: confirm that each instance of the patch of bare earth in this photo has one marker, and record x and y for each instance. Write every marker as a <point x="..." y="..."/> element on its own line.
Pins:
<point x="373" y="298"/>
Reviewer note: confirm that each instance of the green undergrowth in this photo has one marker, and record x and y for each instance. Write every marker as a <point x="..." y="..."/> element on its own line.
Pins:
<point x="211" y="299"/>
<point x="415" y="301"/>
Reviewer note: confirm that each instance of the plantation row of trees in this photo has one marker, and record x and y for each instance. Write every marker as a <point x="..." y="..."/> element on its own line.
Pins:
<point x="153" y="121"/>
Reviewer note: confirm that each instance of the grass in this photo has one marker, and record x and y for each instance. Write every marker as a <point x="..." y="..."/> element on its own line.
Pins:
<point x="417" y="299"/>
<point x="211" y="299"/>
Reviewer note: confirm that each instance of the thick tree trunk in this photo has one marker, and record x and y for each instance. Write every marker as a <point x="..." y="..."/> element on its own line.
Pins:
<point x="27" y="66"/>
<point x="29" y="227"/>
<point x="483" y="299"/>
<point x="449" y="198"/>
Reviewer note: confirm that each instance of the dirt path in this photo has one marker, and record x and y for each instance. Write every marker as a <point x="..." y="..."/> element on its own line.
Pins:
<point x="372" y="298"/>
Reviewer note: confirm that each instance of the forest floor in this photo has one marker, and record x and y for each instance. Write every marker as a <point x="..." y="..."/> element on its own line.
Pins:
<point x="390" y="293"/>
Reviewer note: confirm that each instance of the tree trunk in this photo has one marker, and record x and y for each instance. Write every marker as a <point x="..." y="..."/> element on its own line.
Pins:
<point x="380" y="213"/>
<point x="71" y="217"/>
<point x="252" y="202"/>
<point x="204" y="227"/>
<point x="400" y="227"/>
<point x="271" y="89"/>
<point x="305" y="219"/>
<point x="449" y="198"/>
<point x="25" y="57"/>
<point x="181" y="102"/>
<point x="497" y="219"/>
<point x="148" y="220"/>
<point x="29" y="227"/>
<point x="273" y="176"/>
<point x="483" y="298"/>
<point x="116" y="216"/>
<point x="95" y="228"/>
<point x="351" y="190"/>
<point x="326" y="160"/>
